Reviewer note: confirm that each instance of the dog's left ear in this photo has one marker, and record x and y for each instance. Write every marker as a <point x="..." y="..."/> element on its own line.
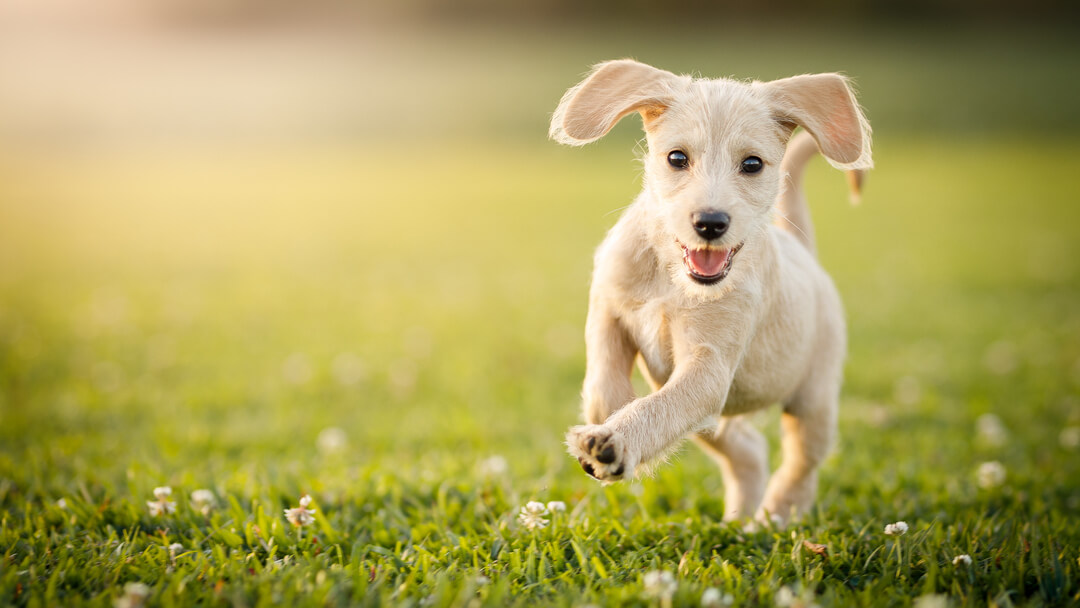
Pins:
<point x="824" y="105"/>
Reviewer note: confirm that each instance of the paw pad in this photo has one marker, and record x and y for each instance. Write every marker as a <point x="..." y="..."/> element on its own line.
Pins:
<point x="600" y="451"/>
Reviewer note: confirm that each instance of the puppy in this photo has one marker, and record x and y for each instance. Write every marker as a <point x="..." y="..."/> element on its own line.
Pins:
<point x="710" y="279"/>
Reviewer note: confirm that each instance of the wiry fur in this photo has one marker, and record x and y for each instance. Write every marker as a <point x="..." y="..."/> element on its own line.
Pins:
<point x="771" y="331"/>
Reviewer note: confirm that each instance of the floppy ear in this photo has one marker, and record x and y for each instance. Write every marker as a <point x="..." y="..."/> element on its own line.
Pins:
<point x="824" y="105"/>
<point x="612" y="90"/>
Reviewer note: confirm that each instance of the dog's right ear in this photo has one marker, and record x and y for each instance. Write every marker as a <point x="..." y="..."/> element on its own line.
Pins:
<point x="612" y="90"/>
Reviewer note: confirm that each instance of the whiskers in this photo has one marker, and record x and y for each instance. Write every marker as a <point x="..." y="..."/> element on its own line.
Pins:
<point x="784" y="217"/>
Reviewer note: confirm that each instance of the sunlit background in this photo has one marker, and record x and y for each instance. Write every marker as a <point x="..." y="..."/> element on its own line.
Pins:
<point x="304" y="215"/>
<point x="249" y="244"/>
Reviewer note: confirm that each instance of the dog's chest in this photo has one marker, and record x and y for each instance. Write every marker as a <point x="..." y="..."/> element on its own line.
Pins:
<point x="650" y="325"/>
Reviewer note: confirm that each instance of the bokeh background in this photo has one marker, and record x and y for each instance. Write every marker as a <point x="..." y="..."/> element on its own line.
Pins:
<point x="326" y="246"/>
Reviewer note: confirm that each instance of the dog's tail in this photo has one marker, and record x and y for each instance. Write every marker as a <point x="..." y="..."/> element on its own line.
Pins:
<point x="792" y="212"/>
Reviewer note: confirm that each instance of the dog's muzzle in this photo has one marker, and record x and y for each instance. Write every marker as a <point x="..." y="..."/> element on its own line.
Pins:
<point x="709" y="265"/>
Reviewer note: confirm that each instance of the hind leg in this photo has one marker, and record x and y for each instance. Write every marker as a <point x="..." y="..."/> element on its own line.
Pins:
<point x="743" y="455"/>
<point x="808" y="427"/>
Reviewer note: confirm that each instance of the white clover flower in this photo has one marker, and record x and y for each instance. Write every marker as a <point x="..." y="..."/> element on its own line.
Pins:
<point x="795" y="597"/>
<point x="331" y="440"/>
<point x="660" y="584"/>
<point x="203" y="501"/>
<point x="713" y="598"/>
<point x="138" y="589"/>
<point x="532" y="515"/>
<point x="933" y="600"/>
<point x="174" y="549"/>
<point x="158" y="509"/>
<point x="493" y="466"/>
<point x="556" y="506"/>
<point x="297" y="369"/>
<point x="991" y="430"/>
<point x="161" y="506"/>
<point x="907" y="390"/>
<point x="962" y="560"/>
<point x="349" y="369"/>
<point x="1070" y="437"/>
<point x="61" y="503"/>
<point x="990" y="474"/>
<point x="1001" y="358"/>
<point x="135" y="595"/>
<point x="896" y="529"/>
<point x="302" y="515"/>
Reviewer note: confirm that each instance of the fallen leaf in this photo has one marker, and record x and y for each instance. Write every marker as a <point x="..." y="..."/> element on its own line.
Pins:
<point x="821" y="550"/>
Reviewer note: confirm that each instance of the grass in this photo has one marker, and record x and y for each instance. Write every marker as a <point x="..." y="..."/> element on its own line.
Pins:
<point x="199" y="321"/>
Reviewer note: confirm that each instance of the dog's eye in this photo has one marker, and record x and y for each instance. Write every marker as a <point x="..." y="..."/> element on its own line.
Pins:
<point x="678" y="159"/>
<point x="752" y="164"/>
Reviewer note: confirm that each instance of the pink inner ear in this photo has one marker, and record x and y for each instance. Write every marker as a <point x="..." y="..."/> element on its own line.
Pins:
<point x="842" y="127"/>
<point x="837" y="136"/>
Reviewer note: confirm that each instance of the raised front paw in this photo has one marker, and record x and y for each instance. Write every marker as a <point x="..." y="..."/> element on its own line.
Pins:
<point x="601" y="451"/>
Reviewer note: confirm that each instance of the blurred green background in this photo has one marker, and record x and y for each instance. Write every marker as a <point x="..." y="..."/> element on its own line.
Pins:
<point x="225" y="228"/>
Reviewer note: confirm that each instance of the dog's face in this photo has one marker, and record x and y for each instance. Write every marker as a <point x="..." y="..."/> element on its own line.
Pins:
<point x="712" y="166"/>
<point x="714" y="149"/>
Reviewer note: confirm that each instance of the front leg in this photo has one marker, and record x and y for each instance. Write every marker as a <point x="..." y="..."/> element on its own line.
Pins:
<point x="609" y="362"/>
<point x="649" y="426"/>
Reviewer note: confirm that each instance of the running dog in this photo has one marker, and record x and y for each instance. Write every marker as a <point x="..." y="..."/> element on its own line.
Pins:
<point x="710" y="279"/>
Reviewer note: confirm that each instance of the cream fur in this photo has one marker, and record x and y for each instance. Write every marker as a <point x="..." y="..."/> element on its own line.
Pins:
<point x="771" y="331"/>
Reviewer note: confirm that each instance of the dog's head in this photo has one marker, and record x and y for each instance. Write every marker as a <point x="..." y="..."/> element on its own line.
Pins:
<point x="712" y="164"/>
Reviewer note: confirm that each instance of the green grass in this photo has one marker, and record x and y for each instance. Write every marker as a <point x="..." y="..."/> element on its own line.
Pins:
<point x="197" y="321"/>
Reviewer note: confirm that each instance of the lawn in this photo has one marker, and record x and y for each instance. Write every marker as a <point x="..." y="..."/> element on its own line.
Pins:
<point x="405" y="347"/>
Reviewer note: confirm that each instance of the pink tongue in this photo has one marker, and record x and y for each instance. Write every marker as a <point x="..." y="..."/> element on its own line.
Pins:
<point x="708" y="262"/>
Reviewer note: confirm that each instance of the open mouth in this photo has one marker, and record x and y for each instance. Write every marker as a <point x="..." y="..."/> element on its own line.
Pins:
<point x="708" y="266"/>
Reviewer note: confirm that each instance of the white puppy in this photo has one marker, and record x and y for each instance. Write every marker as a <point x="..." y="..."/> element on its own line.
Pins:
<point x="710" y="279"/>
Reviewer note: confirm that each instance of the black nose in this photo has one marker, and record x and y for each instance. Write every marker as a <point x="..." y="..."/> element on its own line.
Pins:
<point x="711" y="226"/>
